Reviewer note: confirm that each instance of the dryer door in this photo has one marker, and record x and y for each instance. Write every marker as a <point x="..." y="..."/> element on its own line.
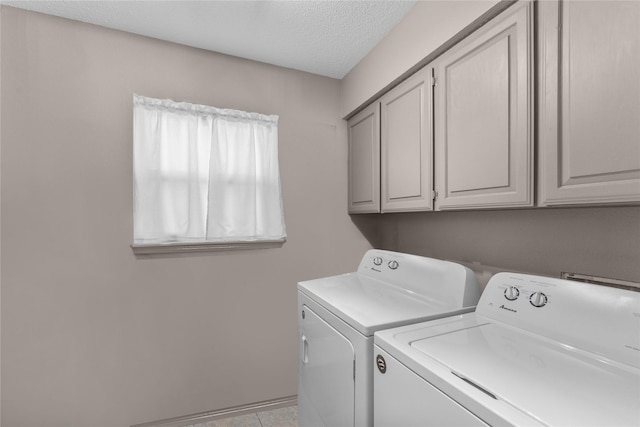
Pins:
<point x="325" y="374"/>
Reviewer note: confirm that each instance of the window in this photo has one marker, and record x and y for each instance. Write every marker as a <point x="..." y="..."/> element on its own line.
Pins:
<point x="204" y="177"/>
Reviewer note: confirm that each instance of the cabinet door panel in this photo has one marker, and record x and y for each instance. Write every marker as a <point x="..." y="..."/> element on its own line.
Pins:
<point x="364" y="161"/>
<point x="590" y="102"/>
<point x="483" y="113"/>
<point x="406" y="148"/>
<point x="403" y="121"/>
<point x="477" y="95"/>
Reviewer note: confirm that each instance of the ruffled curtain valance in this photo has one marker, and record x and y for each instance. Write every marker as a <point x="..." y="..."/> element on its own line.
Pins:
<point x="202" y="110"/>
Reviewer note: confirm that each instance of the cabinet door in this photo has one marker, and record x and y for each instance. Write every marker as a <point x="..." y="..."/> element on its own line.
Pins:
<point x="589" y="102"/>
<point x="364" y="161"/>
<point x="483" y="116"/>
<point x="406" y="145"/>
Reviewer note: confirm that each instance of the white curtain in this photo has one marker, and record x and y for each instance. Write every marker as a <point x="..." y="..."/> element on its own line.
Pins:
<point x="203" y="174"/>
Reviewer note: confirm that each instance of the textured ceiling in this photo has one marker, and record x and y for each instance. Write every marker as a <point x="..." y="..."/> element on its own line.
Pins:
<point x="321" y="37"/>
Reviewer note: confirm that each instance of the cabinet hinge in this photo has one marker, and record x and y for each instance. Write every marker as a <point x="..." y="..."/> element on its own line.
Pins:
<point x="434" y="194"/>
<point x="434" y="79"/>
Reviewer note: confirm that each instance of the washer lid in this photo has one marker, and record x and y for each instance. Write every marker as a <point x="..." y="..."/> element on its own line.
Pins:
<point x="368" y="305"/>
<point x="553" y="383"/>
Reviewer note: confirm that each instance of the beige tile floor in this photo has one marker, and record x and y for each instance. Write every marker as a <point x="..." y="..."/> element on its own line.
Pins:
<point x="282" y="417"/>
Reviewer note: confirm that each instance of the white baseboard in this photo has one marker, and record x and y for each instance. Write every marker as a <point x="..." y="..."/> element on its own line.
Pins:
<point x="235" y="411"/>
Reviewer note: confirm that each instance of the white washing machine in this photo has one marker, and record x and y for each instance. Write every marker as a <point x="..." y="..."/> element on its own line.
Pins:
<point x="536" y="352"/>
<point x="338" y="316"/>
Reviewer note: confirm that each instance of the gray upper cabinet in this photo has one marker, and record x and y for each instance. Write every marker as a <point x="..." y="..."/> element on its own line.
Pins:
<point x="483" y="116"/>
<point x="364" y="161"/>
<point x="406" y="145"/>
<point x="589" y="102"/>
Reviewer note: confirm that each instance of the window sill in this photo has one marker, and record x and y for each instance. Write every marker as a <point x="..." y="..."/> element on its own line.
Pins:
<point x="178" y="248"/>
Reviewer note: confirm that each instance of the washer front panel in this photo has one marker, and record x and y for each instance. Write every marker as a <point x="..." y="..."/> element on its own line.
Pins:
<point x="420" y="404"/>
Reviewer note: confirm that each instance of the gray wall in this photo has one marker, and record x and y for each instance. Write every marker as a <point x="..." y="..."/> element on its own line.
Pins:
<point x="428" y="25"/>
<point x="596" y="241"/>
<point x="92" y="336"/>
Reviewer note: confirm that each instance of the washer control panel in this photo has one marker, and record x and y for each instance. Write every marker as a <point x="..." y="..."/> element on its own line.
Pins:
<point x="601" y="319"/>
<point x="518" y="296"/>
<point x="537" y="299"/>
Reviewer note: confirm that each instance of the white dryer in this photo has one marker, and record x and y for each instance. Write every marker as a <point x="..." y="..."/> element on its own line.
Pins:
<point x="536" y="352"/>
<point x="338" y="316"/>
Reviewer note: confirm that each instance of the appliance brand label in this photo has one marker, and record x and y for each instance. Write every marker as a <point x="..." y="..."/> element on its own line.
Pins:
<point x="508" y="309"/>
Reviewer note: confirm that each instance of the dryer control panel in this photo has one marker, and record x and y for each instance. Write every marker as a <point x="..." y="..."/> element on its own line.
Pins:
<point x="384" y="262"/>
<point x="446" y="281"/>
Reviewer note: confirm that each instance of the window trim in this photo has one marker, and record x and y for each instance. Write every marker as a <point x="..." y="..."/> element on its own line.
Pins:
<point x="195" y="247"/>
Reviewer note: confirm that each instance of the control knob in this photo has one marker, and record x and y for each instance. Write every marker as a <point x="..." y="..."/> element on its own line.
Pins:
<point x="538" y="299"/>
<point x="393" y="264"/>
<point x="512" y="293"/>
<point x="377" y="260"/>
